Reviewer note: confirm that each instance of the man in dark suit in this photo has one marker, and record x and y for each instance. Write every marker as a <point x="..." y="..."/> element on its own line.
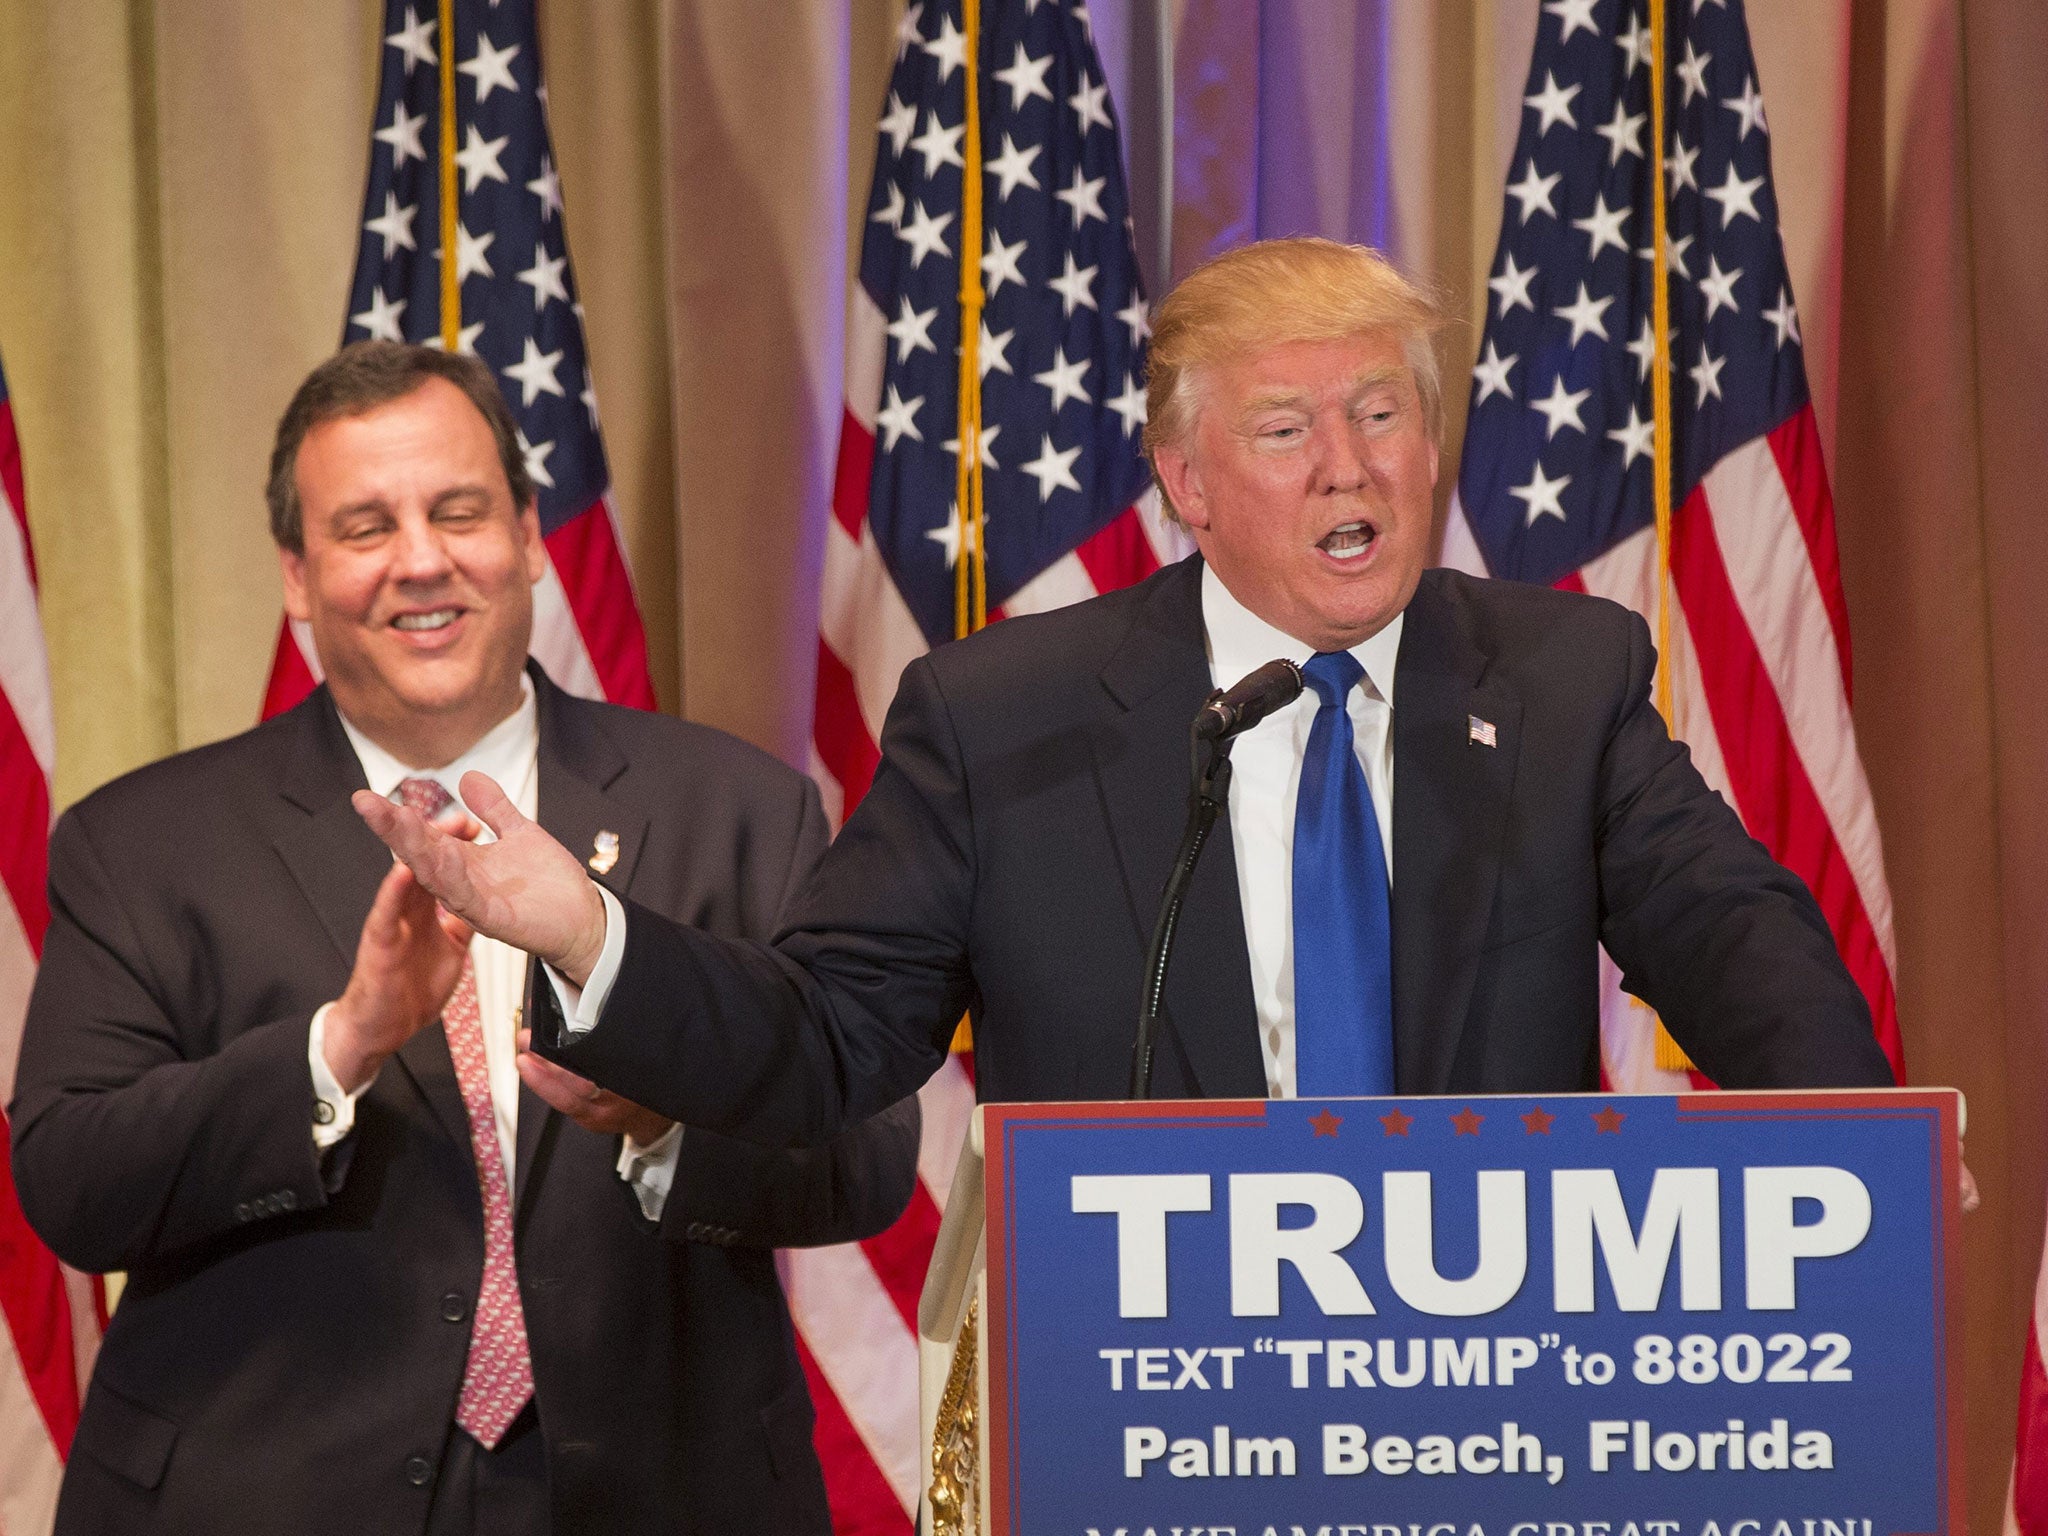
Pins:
<point x="1422" y="854"/>
<point x="386" y="1274"/>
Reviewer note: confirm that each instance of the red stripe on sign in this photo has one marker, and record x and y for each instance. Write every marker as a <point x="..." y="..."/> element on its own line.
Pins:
<point x="1796" y="447"/>
<point x="851" y="473"/>
<point x="2030" y="1452"/>
<point x="10" y="481"/>
<point x="1118" y="554"/>
<point x="840" y="733"/>
<point x="25" y="828"/>
<point x="585" y="550"/>
<point x="1765" y="772"/>
<point x="900" y="1255"/>
<point x="38" y="1313"/>
<point x="290" y="678"/>
<point x="863" y="1503"/>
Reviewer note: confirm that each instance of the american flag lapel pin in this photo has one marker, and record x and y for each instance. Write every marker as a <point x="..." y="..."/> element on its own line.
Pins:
<point x="604" y="852"/>
<point x="1481" y="731"/>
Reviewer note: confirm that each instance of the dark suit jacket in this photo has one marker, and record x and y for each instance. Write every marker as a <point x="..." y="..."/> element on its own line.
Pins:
<point x="291" y="1338"/>
<point x="1010" y="856"/>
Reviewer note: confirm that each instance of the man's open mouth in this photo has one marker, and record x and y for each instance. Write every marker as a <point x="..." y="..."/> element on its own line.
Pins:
<point x="437" y="618"/>
<point x="1348" y="541"/>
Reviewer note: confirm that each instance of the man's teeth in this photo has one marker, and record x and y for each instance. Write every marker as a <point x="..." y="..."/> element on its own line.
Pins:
<point x="1347" y="542"/>
<point x="440" y="618"/>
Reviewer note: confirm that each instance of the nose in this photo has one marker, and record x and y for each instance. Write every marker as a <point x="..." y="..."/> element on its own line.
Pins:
<point x="421" y="555"/>
<point x="1340" y="462"/>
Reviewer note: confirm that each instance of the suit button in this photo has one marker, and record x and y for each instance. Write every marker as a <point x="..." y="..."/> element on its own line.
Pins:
<point x="289" y="1199"/>
<point x="418" y="1471"/>
<point x="241" y="1210"/>
<point x="694" y="1231"/>
<point x="453" y="1308"/>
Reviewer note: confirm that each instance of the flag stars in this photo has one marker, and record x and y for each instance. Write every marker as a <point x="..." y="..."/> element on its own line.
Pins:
<point x="1084" y="198"/>
<point x="1490" y="373"/>
<point x="472" y="257"/>
<point x="536" y="455"/>
<point x="535" y="373"/>
<point x="1749" y="107"/>
<point x="415" y="40"/>
<point x="1678" y="165"/>
<point x="986" y="436"/>
<point x="1553" y="104"/>
<point x="950" y="534"/>
<point x="393" y="225"/>
<point x="402" y="133"/>
<point x="1075" y="286"/>
<point x="1623" y="133"/>
<point x="547" y="186"/>
<point x="1540" y="495"/>
<point x="1138" y="316"/>
<point x="1533" y="191"/>
<point x="911" y="330"/>
<point x="907" y="32"/>
<point x="1511" y="287"/>
<point x="1637" y="439"/>
<point x="1560" y="408"/>
<point x="490" y="68"/>
<point x="891" y="211"/>
<point x="999" y="264"/>
<point x="925" y="234"/>
<point x="1091" y="106"/>
<point x="1784" y="319"/>
<point x="1706" y="376"/>
<point x="991" y="353"/>
<point x="1053" y="469"/>
<point x="1693" y="72"/>
<point x="1736" y="197"/>
<point x="478" y="159"/>
<point x="1634" y="45"/>
<point x="1025" y="77"/>
<point x="1129" y="404"/>
<point x="1063" y="379"/>
<point x="1644" y="350"/>
<point x="382" y="318"/>
<point x="899" y="122"/>
<point x="1012" y="168"/>
<point x="948" y="49"/>
<point x="544" y="277"/>
<point x="1674" y="255"/>
<point x="1603" y="227"/>
<point x="1719" y="288"/>
<point x="1573" y="15"/>
<point x="589" y="399"/>
<point x="1585" y="314"/>
<point x="938" y="144"/>
<point x="897" y="419"/>
<point x="465" y="339"/>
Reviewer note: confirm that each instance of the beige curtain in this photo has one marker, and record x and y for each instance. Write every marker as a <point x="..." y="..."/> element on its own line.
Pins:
<point x="177" y="222"/>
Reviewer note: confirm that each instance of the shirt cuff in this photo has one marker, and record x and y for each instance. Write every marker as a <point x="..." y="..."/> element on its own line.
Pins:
<point x="582" y="1008"/>
<point x="651" y="1170"/>
<point x="334" y="1111"/>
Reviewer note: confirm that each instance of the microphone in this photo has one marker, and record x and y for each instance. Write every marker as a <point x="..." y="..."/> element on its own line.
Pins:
<point x="1243" y="705"/>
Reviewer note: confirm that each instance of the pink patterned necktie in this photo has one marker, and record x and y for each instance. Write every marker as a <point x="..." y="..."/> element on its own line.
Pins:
<point x="498" y="1380"/>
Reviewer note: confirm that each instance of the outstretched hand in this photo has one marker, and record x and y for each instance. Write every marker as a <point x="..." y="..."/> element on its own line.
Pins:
<point x="408" y="960"/>
<point x="525" y="889"/>
<point x="594" y="1108"/>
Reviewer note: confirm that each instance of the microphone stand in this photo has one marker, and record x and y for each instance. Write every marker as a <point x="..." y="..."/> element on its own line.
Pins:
<point x="1208" y="793"/>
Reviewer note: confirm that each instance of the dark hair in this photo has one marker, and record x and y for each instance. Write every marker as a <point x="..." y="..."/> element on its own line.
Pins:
<point x="361" y="377"/>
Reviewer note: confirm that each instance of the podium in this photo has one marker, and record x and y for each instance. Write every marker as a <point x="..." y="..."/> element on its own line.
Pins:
<point x="1718" y="1314"/>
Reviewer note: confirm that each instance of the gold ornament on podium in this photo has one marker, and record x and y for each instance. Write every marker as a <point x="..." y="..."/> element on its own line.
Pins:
<point x="956" y="1442"/>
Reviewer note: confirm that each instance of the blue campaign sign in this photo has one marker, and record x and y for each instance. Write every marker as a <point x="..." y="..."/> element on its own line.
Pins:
<point x="1702" y="1315"/>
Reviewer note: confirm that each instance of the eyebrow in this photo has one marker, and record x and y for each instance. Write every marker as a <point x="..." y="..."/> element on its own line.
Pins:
<point x="1362" y="384"/>
<point x="379" y="504"/>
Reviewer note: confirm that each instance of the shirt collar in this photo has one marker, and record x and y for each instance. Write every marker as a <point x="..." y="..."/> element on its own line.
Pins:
<point x="506" y="752"/>
<point x="1239" y="640"/>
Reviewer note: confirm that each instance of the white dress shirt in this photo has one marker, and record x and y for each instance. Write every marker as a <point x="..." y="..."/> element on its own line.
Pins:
<point x="510" y="754"/>
<point x="1265" y="776"/>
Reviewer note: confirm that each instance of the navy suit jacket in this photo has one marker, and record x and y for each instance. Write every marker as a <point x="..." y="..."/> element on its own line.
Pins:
<point x="288" y="1351"/>
<point x="1009" y="858"/>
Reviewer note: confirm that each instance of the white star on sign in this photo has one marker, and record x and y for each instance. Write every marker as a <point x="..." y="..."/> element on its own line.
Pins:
<point x="1075" y="286"/>
<point x="402" y="133"/>
<point x="1719" y="287"/>
<point x="939" y="145"/>
<point x="999" y="264"/>
<point x="1533" y="191"/>
<point x="394" y="225"/>
<point x="993" y="351"/>
<point x="1574" y="14"/>
<point x="1053" y="469"/>
<point x="1749" y="106"/>
<point x="898" y="419"/>
<point x="924" y="235"/>
<point x="1736" y="197"/>
<point x="1490" y="373"/>
<point x="1560" y="408"/>
<point x="912" y="329"/>
<point x="416" y="41"/>
<point x="1084" y="198"/>
<point x="949" y="48"/>
<point x="1540" y="495"/>
<point x="491" y="68"/>
<point x="891" y="212"/>
<point x="1694" y="72"/>
<point x="1025" y="77"/>
<point x="1138" y="316"/>
<point x="1634" y="45"/>
<point x="1553" y="104"/>
<point x="1013" y="168"/>
<point x="478" y="159"/>
<point x="1784" y="319"/>
<point x="1130" y="405"/>
<point x="1064" y="379"/>
<point x="535" y="372"/>
<point x="1603" y="227"/>
<point x="544" y="277"/>
<point x="899" y="122"/>
<point x="382" y="317"/>
<point x="1512" y="286"/>
<point x="465" y="339"/>
<point x="1637" y="439"/>
<point x="537" y="461"/>
<point x="1644" y="349"/>
<point x="471" y="259"/>
<point x="547" y="186"/>
<point x="1585" y="314"/>
<point x="1679" y="163"/>
<point x="988" y="435"/>
<point x="1091" y="105"/>
<point x="1706" y="375"/>
<point x="1623" y="133"/>
<point x="1674" y="255"/>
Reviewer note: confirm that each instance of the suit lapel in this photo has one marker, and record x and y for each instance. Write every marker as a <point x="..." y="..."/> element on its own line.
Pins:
<point x="338" y="864"/>
<point x="578" y="765"/>
<point x="1451" y="797"/>
<point x="1158" y="677"/>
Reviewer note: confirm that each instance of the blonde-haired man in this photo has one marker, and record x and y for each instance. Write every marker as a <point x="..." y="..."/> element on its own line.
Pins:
<point x="1425" y="850"/>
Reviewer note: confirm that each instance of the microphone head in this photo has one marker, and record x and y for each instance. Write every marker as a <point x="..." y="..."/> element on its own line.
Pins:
<point x="1243" y="705"/>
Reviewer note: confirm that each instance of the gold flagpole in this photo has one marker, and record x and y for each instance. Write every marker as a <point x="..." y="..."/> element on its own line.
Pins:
<point x="451" y="283"/>
<point x="970" y="567"/>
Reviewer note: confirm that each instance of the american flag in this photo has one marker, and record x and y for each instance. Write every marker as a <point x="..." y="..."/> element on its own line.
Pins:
<point x="50" y="1317"/>
<point x="518" y="312"/>
<point x="2026" y="1509"/>
<point x="1556" y="484"/>
<point x="1061" y="357"/>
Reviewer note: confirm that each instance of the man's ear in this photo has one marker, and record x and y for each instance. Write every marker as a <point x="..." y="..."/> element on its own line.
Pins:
<point x="292" y="565"/>
<point x="1182" y="483"/>
<point x="530" y="540"/>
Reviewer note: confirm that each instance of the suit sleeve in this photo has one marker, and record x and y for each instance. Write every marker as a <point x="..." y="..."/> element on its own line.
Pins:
<point x="133" y="1137"/>
<point x="1726" y="943"/>
<point x="853" y="1006"/>
<point x="852" y="1187"/>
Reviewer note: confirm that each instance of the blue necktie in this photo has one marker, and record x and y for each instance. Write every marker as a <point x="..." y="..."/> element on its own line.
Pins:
<point x="1343" y="929"/>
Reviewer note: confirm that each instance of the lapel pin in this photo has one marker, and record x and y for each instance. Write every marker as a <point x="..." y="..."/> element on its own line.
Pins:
<point x="1481" y="731"/>
<point x="604" y="850"/>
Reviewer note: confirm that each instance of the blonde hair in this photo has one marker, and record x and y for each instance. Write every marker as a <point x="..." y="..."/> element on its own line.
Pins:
<point x="1273" y="292"/>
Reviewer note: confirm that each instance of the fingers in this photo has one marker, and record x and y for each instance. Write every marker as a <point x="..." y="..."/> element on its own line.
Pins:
<point x="404" y="831"/>
<point x="489" y="803"/>
<point x="574" y="1096"/>
<point x="399" y="900"/>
